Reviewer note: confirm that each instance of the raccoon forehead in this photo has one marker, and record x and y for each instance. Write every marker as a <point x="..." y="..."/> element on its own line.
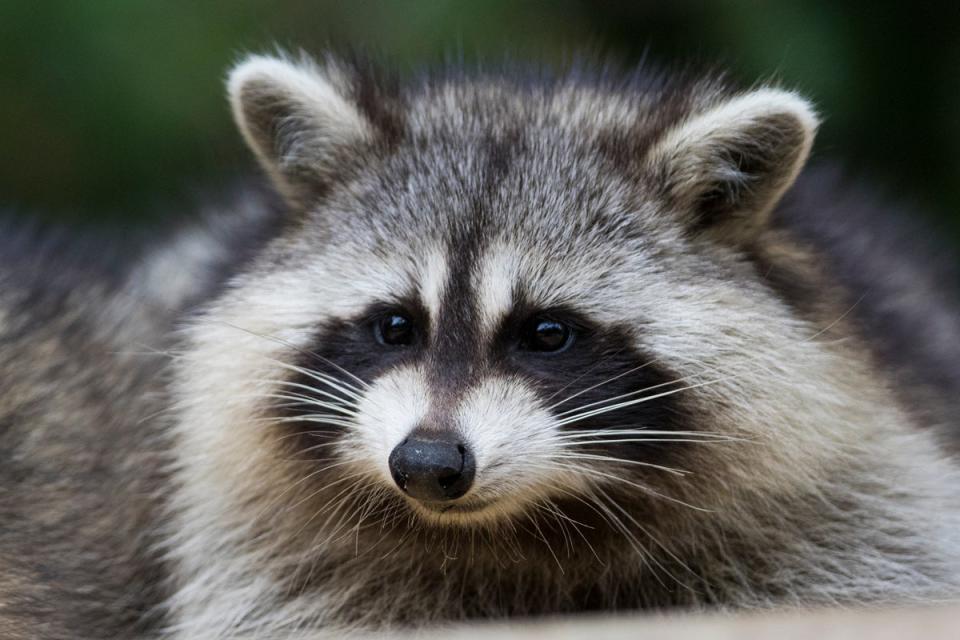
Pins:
<point x="545" y="278"/>
<point x="542" y="195"/>
<point x="488" y="273"/>
<point x="557" y="235"/>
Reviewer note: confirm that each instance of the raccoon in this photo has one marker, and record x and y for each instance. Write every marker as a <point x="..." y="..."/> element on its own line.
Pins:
<point x="504" y="344"/>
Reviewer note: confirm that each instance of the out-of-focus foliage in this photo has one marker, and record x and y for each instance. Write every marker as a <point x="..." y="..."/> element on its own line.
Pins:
<point x="110" y="109"/>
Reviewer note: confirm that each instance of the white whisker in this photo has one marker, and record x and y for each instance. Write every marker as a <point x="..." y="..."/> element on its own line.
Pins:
<point x="618" y="432"/>
<point x="306" y="352"/>
<point x="631" y="393"/>
<point x="621" y="405"/>
<point x="641" y="487"/>
<point x="589" y="456"/>
<point x="599" y="384"/>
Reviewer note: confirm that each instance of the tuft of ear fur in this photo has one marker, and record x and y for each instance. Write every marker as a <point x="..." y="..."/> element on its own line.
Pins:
<point x="726" y="168"/>
<point x="297" y="118"/>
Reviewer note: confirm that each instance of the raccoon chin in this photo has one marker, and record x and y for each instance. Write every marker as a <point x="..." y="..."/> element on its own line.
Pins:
<point x="468" y="512"/>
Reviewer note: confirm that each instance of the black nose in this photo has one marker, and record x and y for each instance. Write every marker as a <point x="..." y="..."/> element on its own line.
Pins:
<point x="432" y="469"/>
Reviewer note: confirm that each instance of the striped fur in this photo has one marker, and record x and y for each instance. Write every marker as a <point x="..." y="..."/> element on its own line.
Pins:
<point x="790" y="359"/>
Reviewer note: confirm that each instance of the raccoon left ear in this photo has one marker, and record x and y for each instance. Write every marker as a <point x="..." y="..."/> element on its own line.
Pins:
<point x="298" y="120"/>
<point x="726" y="168"/>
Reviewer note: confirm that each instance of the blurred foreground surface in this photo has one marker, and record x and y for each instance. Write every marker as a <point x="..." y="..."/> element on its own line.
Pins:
<point x="935" y="623"/>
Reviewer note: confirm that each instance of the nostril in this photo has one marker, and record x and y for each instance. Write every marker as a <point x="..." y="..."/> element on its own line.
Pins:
<point x="458" y="484"/>
<point x="450" y="479"/>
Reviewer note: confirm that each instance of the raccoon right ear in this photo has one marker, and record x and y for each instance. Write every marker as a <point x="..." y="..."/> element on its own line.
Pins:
<point x="297" y="119"/>
<point x="725" y="169"/>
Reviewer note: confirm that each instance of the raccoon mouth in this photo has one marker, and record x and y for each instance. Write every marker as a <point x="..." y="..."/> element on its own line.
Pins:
<point x="447" y="508"/>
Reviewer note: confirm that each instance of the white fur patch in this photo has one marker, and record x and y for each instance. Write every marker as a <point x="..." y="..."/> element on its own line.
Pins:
<point x="495" y="283"/>
<point x="433" y="280"/>
<point x="514" y="441"/>
<point x="395" y="404"/>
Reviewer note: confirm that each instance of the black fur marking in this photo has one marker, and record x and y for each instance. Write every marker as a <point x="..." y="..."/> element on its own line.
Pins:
<point x="347" y="351"/>
<point x="625" y="151"/>
<point x="455" y="352"/>
<point x="602" y="363"/>
<point x="500" y="153"/>
<point x="377" y="95"/>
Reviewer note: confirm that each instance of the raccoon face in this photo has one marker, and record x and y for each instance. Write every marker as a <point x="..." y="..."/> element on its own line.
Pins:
<point x="495" y="301"/>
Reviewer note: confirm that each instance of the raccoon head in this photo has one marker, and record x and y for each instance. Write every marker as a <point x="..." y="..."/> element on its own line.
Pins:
<point x="501" y="301"/>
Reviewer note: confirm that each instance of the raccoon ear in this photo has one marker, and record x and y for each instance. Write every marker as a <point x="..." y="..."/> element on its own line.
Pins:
<point x="726" y="168"/>
<point x="297" y="119"/>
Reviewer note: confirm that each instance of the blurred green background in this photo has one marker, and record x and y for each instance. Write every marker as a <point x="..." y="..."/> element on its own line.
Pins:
<point x="112" y="110"/>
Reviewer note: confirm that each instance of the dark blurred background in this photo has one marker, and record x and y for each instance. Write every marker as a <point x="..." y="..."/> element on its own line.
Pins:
<point x="112" y="110"/>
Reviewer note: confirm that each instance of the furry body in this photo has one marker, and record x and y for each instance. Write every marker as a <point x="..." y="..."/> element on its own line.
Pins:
<point x="796" y="365"/>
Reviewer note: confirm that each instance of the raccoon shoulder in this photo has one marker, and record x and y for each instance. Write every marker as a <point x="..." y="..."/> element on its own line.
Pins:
<point x="49" y="272"/>
<point x="70" y="510"/>
<point x="896" y="281"/>
<point x="86" y="326"/>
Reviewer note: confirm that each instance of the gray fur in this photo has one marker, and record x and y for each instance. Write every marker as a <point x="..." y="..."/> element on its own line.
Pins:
<point x="151" y="482"/>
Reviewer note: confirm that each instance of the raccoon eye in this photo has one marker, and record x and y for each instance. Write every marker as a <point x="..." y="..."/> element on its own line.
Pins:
<point x="546" y="335"/>
<point x="394" y="329"/>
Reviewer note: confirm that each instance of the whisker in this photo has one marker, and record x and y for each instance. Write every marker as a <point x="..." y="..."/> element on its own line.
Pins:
<point x="306" y="352"/>
<point x="838" y="320"/>
<point x="633" y="520"/>
<point x="617" y="432"/>
<point x="305" y="400"/>
<point x="629" y="403"/>
<point x="599" y="384"/>
<point x="293" y="485"/>
<point x="631" y="393"/>
<point x="580" y="377"/>
<point x="317" y="447"/>
<point x="590" y="456"/>
<point x="595" y="441"/>
<point x="339" y="505"/>
<point x="575" y="523"/>
<point x="324" y="488"/>
<point x="618" y="525"/>
<point x="641" y="487"/>
<point x="650" y="555"/>
<point x="541" y="535"/>
<point x="340" y="385"/>
<point x="314" y="418"/>
<point x="305" y="387"/>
